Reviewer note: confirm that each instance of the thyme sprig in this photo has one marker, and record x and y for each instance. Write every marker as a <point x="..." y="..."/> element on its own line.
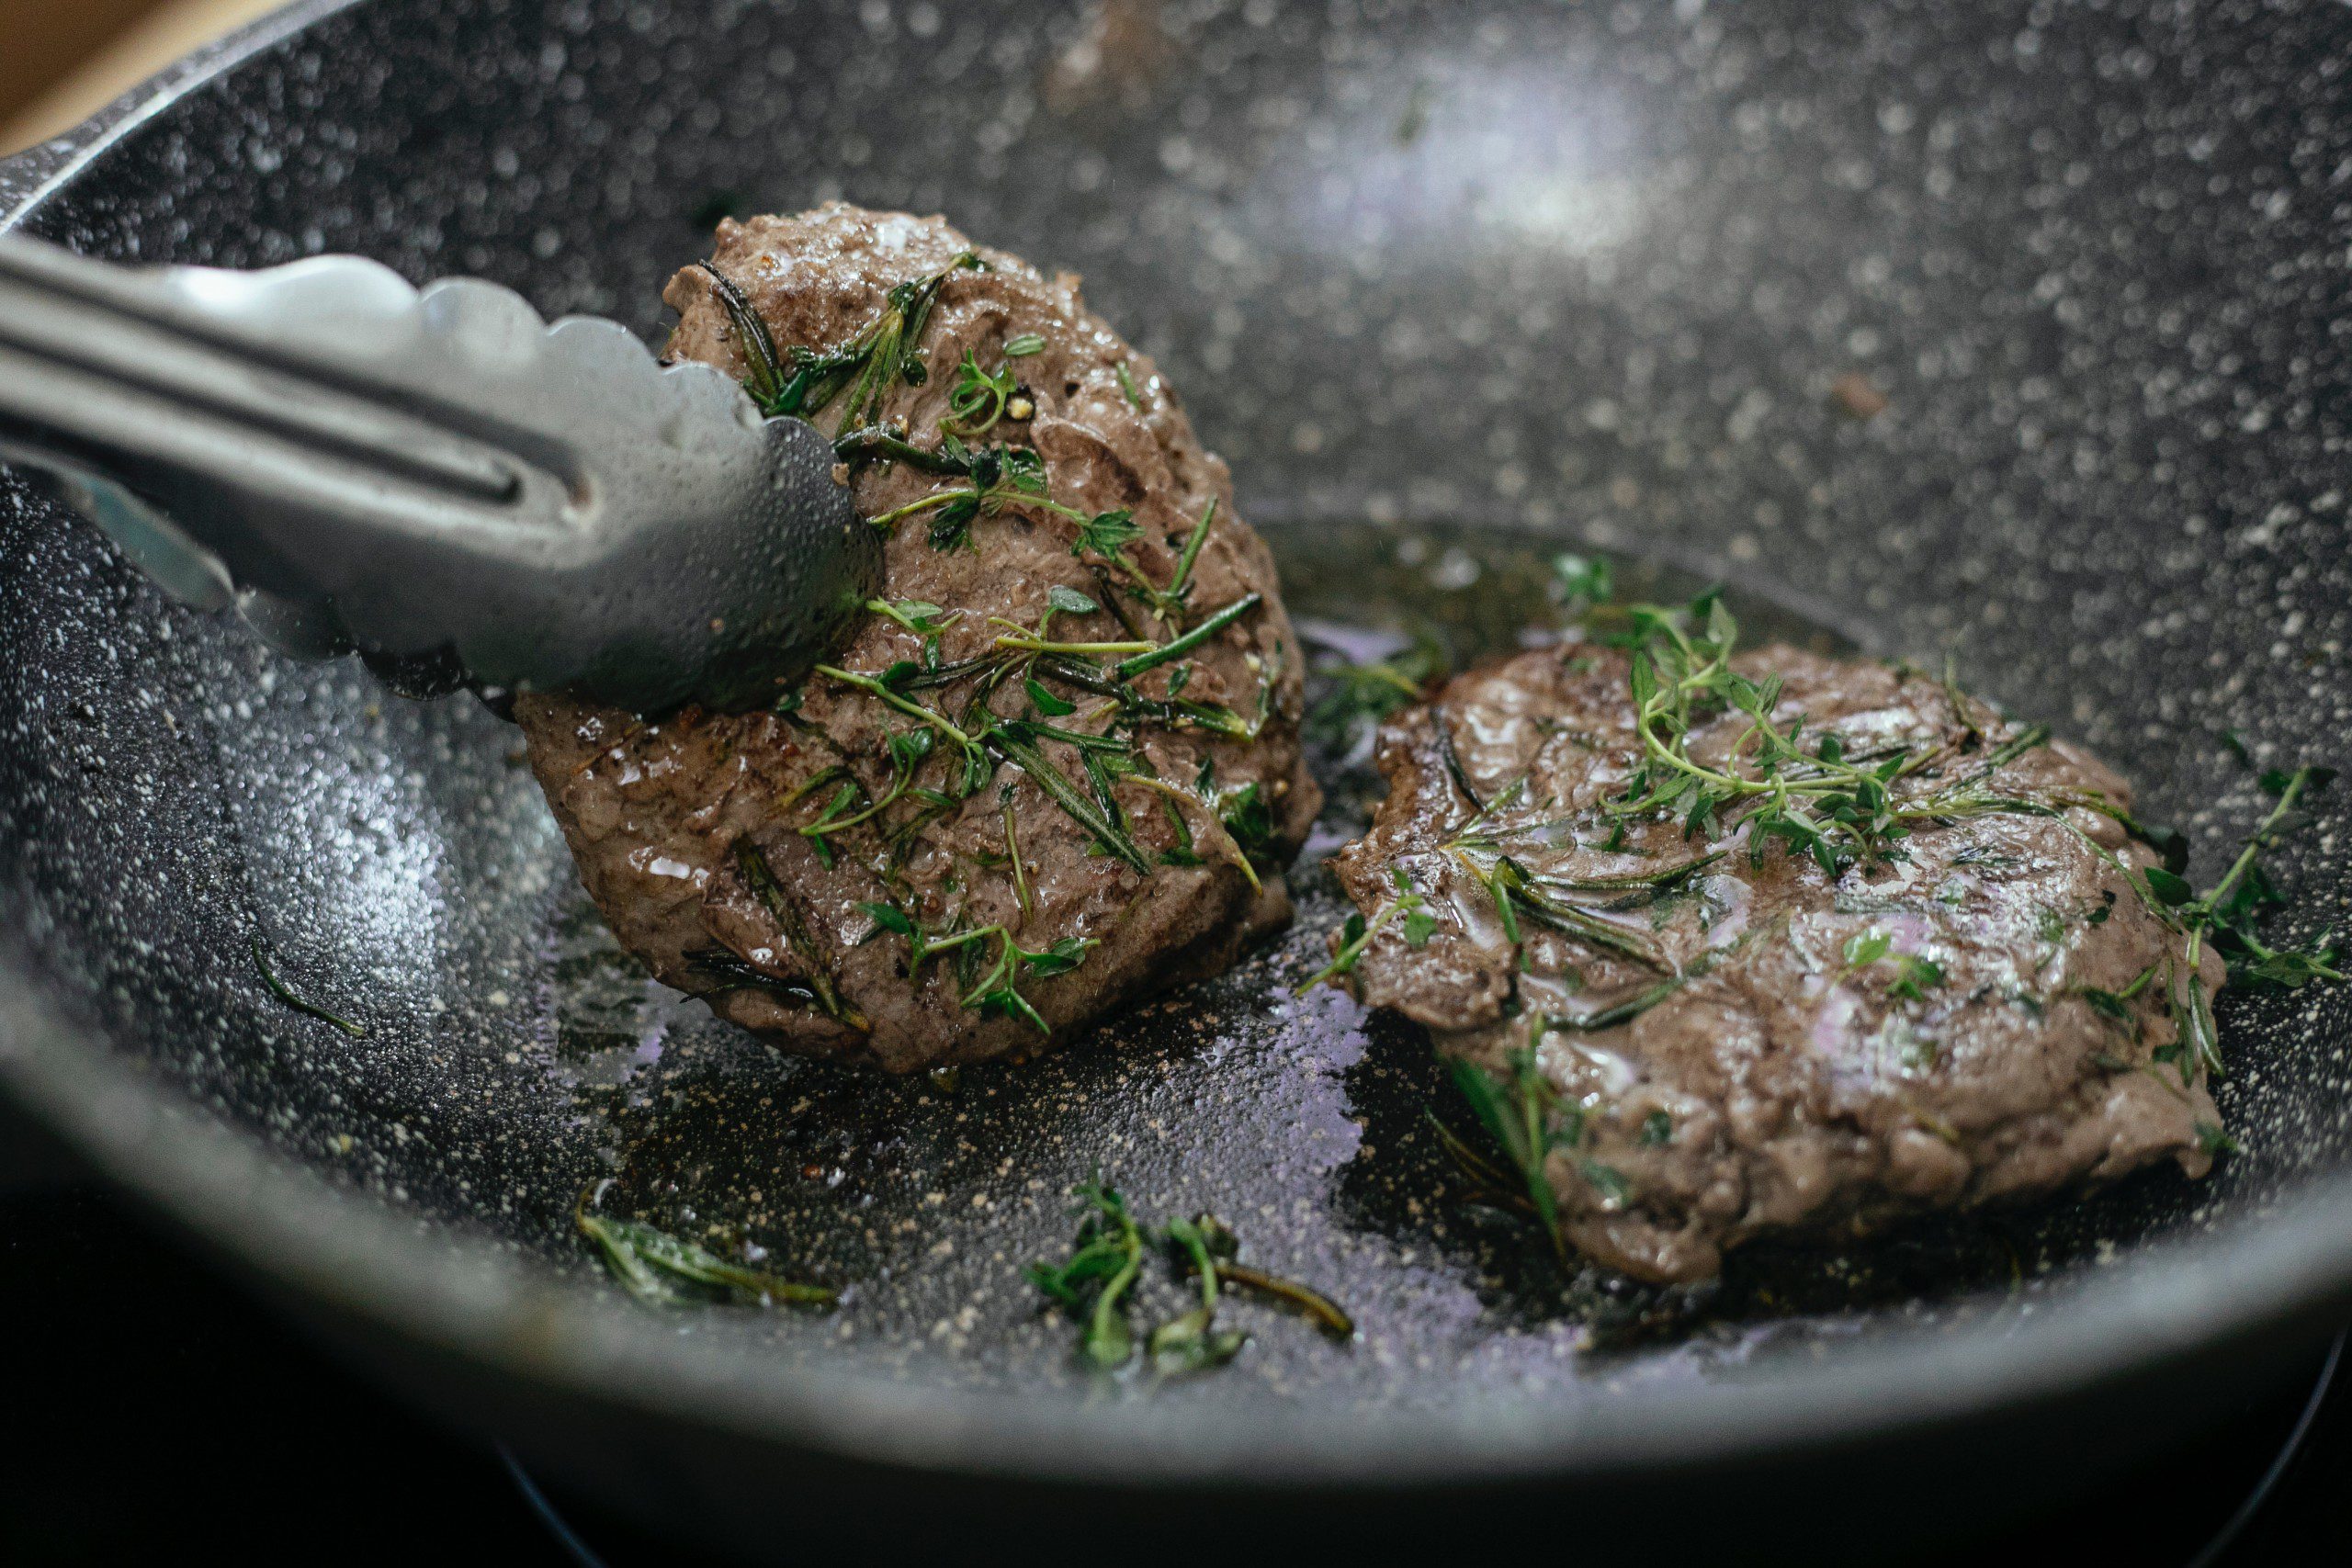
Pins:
<point x="997" y="990"/>
<point x="662" y="1269"/>
<point x="1097" y="1284"/>
<point x="2227" y="913"/>
<point x="1357" y="935"/>
<point x="805" y="381"/>
<point x="980" y="397"/>
<point x="1093" y="1283"/>
<point x="1817" y="801"/>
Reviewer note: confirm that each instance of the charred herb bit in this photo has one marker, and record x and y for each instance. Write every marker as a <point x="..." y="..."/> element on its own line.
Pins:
<point x="728" y="972"/>
<point x="761" y="879"/>
<point x="1097" y="1278"/>
<point x="665" y="1270"/>
<point x="279" y="989"/>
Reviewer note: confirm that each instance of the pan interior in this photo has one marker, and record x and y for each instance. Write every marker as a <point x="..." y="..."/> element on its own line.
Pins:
<point x="1444" y="308"/>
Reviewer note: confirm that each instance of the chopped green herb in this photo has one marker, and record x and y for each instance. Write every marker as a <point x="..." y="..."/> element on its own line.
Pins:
<point x="1361" y="696"/>
<point x="2212" y="1140"/>
<point x="279" y="989"/>
<point x="806" y="381"/>
<point x="665" y="1271"/>
<point x="1583" y="580"/>
<point x="1096" y="1279"/>
<point x="1098" y="1285"/>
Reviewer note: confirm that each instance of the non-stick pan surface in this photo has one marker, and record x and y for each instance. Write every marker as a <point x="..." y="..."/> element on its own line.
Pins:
<point x="1449" y="284"/>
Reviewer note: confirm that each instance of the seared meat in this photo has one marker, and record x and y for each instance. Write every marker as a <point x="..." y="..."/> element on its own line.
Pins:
<point x="1689" y="1039"/>
<point x="952" y="844"/>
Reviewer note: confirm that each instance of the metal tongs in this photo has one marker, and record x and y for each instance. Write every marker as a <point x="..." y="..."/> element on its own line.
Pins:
<point x="428" y="476"/>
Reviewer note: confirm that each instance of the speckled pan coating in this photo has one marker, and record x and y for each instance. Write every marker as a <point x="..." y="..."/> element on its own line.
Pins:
<point x="1587" y="270"/>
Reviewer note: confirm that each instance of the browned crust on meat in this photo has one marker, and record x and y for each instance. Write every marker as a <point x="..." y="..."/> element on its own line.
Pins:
<point x="657" y="812"/>
<point x="1796" y="1093"/>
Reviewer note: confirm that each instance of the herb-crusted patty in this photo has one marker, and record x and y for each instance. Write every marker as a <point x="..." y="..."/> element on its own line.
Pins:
<point x="1056" y="768"/>
<point x="1727" y="944"/>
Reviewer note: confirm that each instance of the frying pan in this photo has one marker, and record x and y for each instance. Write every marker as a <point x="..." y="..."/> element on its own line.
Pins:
<point x="1450" y="285"/>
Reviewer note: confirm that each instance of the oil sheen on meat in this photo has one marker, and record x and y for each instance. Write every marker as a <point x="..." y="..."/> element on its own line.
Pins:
<point x="787" y="865"/>
<point x="1773" y="1058"/>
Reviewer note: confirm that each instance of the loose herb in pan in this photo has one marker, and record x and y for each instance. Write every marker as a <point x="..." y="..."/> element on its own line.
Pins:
<point x="1359" y="695"/>
<point x="279" y="989"/>
<point x="1097" y="1284"/>
<point x="662" y="1269"/>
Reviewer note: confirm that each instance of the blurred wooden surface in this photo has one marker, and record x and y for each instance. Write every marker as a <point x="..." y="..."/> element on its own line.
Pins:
<point x="62" y="60"/>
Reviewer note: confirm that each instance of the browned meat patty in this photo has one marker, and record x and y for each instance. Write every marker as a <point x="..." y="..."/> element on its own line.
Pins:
<point x="1000" y="810"/>
<point x="1687" y="1042"/>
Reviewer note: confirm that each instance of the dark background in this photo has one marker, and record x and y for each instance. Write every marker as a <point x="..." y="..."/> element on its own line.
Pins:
<point x="161" y="1414"/>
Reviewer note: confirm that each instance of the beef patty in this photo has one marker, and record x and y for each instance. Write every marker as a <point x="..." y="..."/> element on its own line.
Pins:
<point x="1925" y="971"/>
<point x="1056" y="767"/>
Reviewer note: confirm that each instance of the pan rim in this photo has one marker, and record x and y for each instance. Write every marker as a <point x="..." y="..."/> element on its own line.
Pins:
<point x="456" y="1292"/>
<point x="446" y="1290"/>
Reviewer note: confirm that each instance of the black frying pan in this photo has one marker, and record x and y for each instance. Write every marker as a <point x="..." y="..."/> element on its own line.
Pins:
<point x="1447" y="283"/>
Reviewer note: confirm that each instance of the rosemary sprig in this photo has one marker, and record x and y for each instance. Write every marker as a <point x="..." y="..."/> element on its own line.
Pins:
<point x="1176" y="648"/>
<point x="758" y="876"/>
